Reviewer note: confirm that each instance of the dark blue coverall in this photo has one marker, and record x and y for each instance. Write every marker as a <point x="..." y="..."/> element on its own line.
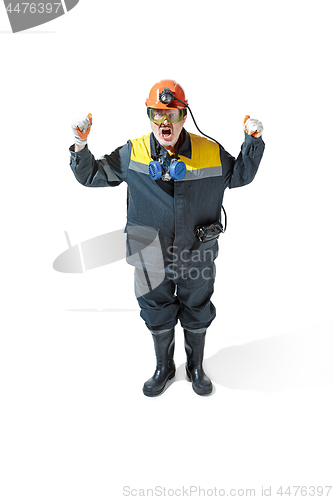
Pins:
<point x="174" y="209"/>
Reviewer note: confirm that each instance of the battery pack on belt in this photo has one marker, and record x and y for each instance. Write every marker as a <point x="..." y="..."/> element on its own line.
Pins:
<point x="208" y="233"/>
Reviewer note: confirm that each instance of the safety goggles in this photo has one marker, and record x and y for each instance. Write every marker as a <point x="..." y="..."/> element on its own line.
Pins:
<point x="173" y="115"/>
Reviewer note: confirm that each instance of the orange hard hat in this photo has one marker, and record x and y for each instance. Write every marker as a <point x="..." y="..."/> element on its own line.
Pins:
<point x="153" y="101"/>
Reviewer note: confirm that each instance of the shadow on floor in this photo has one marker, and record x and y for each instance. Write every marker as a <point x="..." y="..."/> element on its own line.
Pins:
<point x="274" y="364"/>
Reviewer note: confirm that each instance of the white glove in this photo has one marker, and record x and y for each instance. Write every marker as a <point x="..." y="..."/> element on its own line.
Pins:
<point x="81" y="129"/>
<point x="252" y="127"/>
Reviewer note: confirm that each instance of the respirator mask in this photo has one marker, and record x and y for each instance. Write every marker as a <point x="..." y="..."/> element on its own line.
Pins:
<point x="167" y="168"/>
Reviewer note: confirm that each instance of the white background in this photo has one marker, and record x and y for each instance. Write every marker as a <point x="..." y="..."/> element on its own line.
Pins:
<point x="74" y="421"/>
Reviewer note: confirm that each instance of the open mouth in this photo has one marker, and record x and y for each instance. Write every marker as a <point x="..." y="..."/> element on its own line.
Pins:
<point x="166" y="132"/>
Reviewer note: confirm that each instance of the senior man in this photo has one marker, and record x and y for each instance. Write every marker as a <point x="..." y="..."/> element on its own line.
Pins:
<point x="176" y="181"/>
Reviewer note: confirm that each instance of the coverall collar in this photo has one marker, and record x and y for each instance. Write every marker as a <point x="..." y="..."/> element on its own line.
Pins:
<point x="184" y="150"/>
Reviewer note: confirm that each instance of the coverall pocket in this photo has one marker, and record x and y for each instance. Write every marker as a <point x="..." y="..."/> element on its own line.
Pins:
<point x="143" y="248"/>
<point x="197" y="244"/>
<point x="203" y="252"/>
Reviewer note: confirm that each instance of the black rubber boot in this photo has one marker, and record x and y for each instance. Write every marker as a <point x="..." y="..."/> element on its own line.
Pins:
<point x="165" y="366"/>
<point x="194" y="347"/>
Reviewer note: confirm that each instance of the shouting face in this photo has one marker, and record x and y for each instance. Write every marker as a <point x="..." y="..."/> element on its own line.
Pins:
<point x="167" y="125"/>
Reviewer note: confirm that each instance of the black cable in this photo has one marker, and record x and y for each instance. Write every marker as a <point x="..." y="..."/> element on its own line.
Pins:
<point x="195" y="123"/>
<point x="166" y="97"/>
<point x="211" y="138"/>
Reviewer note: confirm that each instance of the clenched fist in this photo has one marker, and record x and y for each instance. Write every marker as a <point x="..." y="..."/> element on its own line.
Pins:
<point x="252" y="127"/>
<point x="81" y="129"/>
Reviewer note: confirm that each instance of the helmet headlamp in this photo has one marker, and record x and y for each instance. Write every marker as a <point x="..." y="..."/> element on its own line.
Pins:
<point x="166" y="96"/>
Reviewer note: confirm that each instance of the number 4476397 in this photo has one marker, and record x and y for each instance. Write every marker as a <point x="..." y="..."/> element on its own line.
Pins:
<point x="33" y="8"/>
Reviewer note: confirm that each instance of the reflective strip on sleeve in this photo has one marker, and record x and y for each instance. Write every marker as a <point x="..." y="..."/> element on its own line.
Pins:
<point x="112" y="177"/>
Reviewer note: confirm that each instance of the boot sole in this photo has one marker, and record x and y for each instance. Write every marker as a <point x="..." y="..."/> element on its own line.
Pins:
<point x="200" y="392"/>
<point x="157" y="393"/>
